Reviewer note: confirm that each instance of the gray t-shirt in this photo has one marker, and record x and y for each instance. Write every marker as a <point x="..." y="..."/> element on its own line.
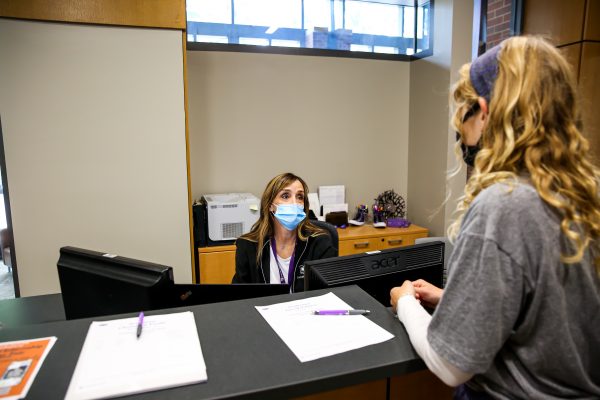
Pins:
<point x="526" y="324"/>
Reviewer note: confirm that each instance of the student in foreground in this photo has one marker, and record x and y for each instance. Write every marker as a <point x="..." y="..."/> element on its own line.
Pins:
<point x="282" y="239"/>
<point x="520" y="314"/>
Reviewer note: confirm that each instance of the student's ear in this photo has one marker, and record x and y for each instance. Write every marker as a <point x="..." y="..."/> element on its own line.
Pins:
<point x="483" y="105"/>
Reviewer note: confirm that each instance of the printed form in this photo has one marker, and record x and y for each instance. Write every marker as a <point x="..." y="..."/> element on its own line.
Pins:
<point x="311" y="336"/>
<point x="115" y="362"/>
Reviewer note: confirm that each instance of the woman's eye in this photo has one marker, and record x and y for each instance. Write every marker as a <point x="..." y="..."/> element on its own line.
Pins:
<point x="285" y="196"/>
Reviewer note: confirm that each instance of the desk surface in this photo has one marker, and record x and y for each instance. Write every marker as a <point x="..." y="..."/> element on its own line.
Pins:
<point x="31" y="310"/>
<point x="244" y="356"/>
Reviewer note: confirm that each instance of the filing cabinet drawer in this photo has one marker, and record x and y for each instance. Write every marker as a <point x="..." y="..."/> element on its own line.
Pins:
<point x="389" y="242"/>
<point x="357" y="246"/>
<point x="360" y="239"/>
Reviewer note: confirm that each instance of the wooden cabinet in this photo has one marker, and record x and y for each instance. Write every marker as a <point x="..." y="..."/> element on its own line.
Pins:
<point x="360" y="239"/>
<point x="573" y="26"/>
<point x="217" y="263"/>
<point x="560" y="20"/>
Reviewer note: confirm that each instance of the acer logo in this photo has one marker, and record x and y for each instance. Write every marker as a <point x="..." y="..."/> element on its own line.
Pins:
<point x="385" y="263"/>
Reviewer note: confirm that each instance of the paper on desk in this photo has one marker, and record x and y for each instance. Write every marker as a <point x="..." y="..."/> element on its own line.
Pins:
<point x="114" y="362"/>
<point x="311" y="337"/>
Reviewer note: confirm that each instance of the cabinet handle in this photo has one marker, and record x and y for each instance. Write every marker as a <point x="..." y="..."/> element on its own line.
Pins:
<point x="361" y="245"/>
<point x="394" y="242"/>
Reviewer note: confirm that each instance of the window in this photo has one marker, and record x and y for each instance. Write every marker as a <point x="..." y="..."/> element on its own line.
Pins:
<point x="393" y="28"/>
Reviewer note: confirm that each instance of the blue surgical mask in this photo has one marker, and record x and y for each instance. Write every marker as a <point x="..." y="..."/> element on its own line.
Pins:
<point x="289" y="215"/>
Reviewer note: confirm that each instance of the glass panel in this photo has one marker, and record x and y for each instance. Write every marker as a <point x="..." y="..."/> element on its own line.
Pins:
<point x="346" y="25"/>
<point x="212" y="39"/>
<point x="361" y="47"/>
<point x="373" y="18"/>
<point x="409" y="22"/>
<point x="423" y="13"/>
<point x="285" y="43"/>
<point x="254" y="41"/>
<point x="209" y="11"/>
<point x="385" y="49"/>
<point x="317" y="13"/>
<point x="276" y="13"/>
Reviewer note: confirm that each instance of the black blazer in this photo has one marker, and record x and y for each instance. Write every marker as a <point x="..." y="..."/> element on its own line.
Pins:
<point x="246" y="270"/>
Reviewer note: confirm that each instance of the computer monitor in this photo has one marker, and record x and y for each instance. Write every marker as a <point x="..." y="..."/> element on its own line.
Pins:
<point x="377" y="272"/>
<point x="95" y="284"/>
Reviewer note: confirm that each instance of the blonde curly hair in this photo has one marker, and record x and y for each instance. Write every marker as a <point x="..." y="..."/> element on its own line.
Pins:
<point x="534" y="129"/>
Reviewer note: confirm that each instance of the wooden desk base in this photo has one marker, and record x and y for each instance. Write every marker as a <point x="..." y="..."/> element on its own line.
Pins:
<point x="422" y="385"/>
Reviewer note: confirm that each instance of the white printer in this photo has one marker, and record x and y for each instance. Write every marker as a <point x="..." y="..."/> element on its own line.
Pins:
<point x="230" y="215"/>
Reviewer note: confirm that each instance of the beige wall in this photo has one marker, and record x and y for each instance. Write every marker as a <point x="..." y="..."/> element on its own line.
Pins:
<point x="94" y="137"/>
<point x="329" y="120"/>
<point x="431" y="148"/>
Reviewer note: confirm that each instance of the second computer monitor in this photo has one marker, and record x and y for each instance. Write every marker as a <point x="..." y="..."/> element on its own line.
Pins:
<point x="378" y="272"/>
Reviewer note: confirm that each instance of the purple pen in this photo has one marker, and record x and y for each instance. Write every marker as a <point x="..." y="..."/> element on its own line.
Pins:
<point x="341" y="312"/>
<point x="140" y="324"/>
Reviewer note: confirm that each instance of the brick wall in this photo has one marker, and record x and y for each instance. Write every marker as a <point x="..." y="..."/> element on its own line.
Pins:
<point x="498" y="21"/>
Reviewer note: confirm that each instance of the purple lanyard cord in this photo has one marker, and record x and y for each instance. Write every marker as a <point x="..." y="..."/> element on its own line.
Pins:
<point x="291" y="269"/>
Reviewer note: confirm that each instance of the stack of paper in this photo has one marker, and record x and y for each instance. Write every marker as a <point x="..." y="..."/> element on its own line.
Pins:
<point x="311" y="336"/>
<point x="115" y="362"/>
<point x="20" y="362"/>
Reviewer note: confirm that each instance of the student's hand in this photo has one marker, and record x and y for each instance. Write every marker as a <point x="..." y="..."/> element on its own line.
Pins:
<point x="406" y="289"/>
<point x="429" y="295"/>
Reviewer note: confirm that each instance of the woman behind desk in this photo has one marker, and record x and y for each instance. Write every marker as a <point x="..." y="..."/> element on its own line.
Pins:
<point x="520" y="314"/>
<point x="282" y="239"/>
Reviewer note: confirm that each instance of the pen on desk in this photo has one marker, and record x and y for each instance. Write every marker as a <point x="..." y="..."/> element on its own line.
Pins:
<point x="140" y="324"/>
<point x="341" y="312"/>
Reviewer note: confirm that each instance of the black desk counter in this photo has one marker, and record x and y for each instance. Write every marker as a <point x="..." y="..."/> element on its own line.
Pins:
<point x="245" y="358"/>
<point x="31" y="310"/>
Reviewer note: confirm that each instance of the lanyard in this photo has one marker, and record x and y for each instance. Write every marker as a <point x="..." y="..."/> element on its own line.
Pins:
<point x="291" y="269"/>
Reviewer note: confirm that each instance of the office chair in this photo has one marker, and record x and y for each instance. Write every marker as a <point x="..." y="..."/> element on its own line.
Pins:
<point x="447" y="251"/>
<point x="6" y="242"/>
<point x="332" y="231"/>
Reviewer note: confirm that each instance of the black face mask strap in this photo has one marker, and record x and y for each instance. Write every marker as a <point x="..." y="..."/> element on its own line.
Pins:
<point x="469" y="152"/>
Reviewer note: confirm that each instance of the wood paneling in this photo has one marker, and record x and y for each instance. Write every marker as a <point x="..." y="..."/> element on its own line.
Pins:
<point x="375" y="390"/>
<point x="561" y="20"/>
<point x="422" y="385"/>
<point x="150" y="13"/>
<point x="592" y="20"/>
<point x="195" y="279"/>
<point x="590" y="92"/>
<point x="573" y="55"/>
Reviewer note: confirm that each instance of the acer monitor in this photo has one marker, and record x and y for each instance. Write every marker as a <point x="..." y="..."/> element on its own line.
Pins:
<point x="377" y="272"/>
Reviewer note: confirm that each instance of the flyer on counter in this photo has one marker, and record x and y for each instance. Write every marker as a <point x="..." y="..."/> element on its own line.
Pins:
<point x="20" y="362"/>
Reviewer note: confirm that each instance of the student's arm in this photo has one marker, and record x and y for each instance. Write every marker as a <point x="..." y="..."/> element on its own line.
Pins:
<point x="416" y="320"/>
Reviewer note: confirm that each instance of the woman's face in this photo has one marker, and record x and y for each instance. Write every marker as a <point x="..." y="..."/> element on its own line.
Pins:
<point x="292" y="194"/>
